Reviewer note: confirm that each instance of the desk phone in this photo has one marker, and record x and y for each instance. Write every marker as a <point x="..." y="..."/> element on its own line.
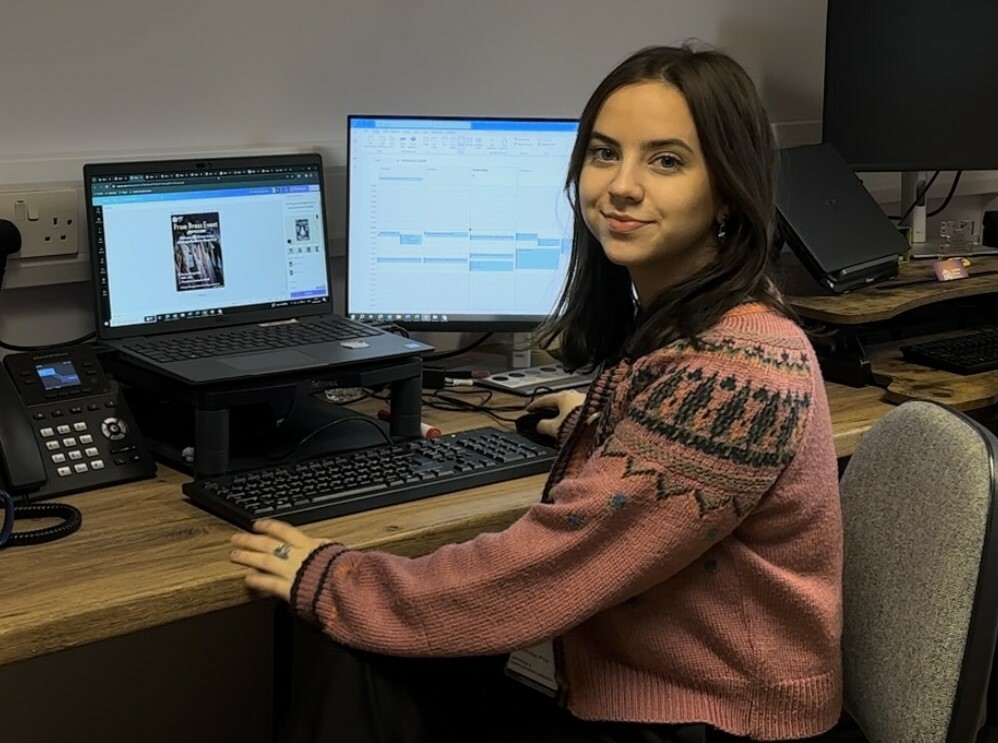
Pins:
<point x="65" y="427"/>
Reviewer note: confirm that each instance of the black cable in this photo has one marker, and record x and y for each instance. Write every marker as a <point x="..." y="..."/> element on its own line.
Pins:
<point x="8" y="517"/>
<point x="48" y="346"/>
<point x="451" y="354"/>
<point x="949" y="196"/>
<point x="450" y="400"/>
<point x="70" y="516"/>
<point x="396" y="329"/>
<point x="320" y="429"/>
<point x="3" y="266"/>
<point x="919" y="196"/>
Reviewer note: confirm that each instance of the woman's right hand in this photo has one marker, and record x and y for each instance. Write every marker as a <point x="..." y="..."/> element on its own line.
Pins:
<point x="564" y="402"/>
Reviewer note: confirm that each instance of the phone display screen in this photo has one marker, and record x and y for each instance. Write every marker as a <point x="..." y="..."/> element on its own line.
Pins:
<point x="57" y="375"/>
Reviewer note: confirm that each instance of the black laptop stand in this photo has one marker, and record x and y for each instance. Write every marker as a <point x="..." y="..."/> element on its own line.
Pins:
<point x="211" y="430"/>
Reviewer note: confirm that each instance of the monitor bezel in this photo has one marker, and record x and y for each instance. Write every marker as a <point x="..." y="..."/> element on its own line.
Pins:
<point x="485" y="323"/>
<point x="126" y="167"/>
<point x="943" y="163"/>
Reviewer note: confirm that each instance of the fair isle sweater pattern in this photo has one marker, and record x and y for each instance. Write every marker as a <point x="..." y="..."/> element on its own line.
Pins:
<point x="750" y="424"/>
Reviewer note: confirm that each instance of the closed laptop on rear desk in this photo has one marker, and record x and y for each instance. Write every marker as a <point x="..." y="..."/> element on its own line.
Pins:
<point x="832" y="223"/>
<point x="214" y="271"/>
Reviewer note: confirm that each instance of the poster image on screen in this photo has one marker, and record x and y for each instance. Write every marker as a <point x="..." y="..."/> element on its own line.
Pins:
<point x="57" y="375"/>
<point x="197" y="251"/>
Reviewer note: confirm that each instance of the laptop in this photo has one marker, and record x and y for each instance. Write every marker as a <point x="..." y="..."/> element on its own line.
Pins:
<point x="832" y="223"/>
<point x="211" y="271"/>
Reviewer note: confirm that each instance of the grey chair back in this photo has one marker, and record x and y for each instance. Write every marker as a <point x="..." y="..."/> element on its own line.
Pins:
<point x="921" y="576"/>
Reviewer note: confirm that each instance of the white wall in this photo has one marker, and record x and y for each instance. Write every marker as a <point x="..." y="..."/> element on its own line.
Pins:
<point x="114" y="75"/>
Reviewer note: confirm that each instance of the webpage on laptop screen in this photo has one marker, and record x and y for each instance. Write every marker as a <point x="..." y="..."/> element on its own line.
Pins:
<point x="176" y="246"/>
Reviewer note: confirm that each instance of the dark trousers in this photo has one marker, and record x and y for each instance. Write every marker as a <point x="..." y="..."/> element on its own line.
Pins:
<point x="341" y="695"/>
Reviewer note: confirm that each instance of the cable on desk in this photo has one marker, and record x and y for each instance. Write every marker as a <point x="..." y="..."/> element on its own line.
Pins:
<point x="352" y="419"/>
<point x="48" y="346"/>
<point x="70" y="516"/>
<point x="451" y="400"/>
<point x="451" y="354"/>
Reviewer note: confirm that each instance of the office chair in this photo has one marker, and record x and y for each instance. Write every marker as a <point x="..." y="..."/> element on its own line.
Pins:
<point x="921" y="576"/>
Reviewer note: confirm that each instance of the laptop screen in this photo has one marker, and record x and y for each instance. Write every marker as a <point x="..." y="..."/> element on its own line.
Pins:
<point x="190" y="244"/>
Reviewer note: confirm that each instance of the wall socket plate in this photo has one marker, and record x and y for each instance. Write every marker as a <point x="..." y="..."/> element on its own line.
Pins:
<point x="49" y="221"/>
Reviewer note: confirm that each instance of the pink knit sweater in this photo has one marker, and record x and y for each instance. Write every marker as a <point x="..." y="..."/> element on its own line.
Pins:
<point x="686" y="557"/>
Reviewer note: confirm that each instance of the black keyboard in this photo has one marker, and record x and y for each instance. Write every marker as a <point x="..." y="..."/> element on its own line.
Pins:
<point x="970" y="353"/>
<point x="247" y="338"/>
<point x="335" y="485"/>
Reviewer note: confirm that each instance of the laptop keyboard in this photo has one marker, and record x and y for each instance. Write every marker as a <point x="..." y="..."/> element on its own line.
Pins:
<point x="249" y="338"/>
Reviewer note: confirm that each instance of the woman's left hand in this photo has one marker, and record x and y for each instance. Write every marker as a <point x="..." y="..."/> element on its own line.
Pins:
<point x="275" y="553"/>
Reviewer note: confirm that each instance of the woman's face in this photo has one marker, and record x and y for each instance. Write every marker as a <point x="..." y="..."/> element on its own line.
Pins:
<point x="644" y="187"/>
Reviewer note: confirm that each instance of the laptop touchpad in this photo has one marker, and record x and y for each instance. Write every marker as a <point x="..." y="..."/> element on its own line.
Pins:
<point x="288" y="359"/>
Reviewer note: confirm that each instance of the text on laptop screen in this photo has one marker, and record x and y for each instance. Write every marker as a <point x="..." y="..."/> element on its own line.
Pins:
<point x="457" y="221"/>
<point x="180" y="245"/>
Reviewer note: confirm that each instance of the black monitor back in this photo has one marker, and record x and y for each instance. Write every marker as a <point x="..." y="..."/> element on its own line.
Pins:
<point x="832" y="223"/>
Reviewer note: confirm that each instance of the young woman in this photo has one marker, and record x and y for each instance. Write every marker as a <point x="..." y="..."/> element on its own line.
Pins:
<point x="680" y="578"/>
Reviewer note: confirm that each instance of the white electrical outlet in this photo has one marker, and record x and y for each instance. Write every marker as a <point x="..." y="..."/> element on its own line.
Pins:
<point x="49" y="221"/>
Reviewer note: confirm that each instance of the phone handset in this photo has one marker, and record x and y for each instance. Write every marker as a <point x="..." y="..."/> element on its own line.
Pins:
<point x="21" y="467"/>
<point x="22" y="471"/>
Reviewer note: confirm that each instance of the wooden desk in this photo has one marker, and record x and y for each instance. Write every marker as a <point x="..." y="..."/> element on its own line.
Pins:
<point x="145" y="556"/>
<point x="915" y="287"/>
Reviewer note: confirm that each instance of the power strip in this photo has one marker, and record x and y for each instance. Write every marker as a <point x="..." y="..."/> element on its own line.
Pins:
<point x="546" y="378"/>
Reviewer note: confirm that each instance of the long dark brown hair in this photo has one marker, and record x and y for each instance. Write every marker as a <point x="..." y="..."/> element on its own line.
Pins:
<point x="597" y="319"/>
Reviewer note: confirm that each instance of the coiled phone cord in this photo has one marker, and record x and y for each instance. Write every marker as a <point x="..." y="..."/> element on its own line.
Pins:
<point x="70" y="515"/>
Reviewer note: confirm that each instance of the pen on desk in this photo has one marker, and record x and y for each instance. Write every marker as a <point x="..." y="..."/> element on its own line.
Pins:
<point x="426" y="431"/>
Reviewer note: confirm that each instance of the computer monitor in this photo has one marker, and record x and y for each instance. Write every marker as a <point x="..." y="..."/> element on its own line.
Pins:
<point x="457" y="223"/>
<point x="910" y="84"/>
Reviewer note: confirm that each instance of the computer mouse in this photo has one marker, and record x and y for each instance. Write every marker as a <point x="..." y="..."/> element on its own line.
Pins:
<point x="526" y="425"/>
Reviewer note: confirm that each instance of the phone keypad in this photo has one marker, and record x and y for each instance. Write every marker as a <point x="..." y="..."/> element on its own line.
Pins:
<point x="76" y="459"/>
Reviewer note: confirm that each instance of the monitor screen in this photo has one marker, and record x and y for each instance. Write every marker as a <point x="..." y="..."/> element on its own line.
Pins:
<point x="910" y="84"/>
<point x="176" y="244"/>
<point x="457" y="224"/>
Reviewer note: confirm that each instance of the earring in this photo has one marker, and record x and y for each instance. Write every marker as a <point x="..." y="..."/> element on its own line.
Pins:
<point x="722" y="229"/>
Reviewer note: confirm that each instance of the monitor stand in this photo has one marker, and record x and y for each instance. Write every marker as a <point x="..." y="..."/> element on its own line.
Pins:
<point x="527" y="379"/>
<point x="912" y="182"/>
